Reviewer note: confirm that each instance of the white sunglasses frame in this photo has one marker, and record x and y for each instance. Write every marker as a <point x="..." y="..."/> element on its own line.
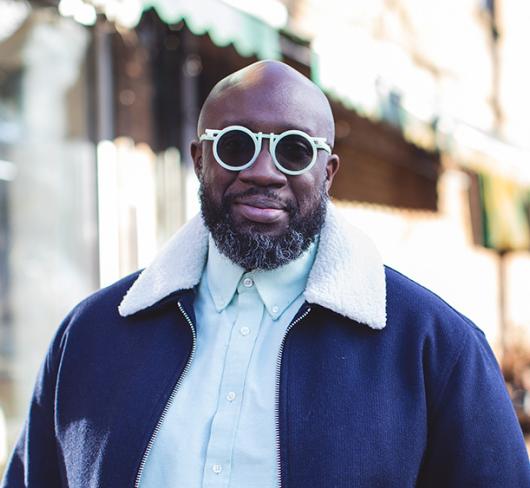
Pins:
<point x="215" y="134"/>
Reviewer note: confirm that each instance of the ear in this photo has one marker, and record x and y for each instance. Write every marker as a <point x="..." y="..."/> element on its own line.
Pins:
<point x="196" y="154"/>
<point x="332" y="166"/>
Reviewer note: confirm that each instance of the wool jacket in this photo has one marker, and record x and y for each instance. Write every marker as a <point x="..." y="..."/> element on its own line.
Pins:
<point x="380" y="382"/>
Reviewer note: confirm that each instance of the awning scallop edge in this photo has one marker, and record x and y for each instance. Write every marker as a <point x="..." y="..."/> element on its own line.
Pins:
<point x="223" y="23"/>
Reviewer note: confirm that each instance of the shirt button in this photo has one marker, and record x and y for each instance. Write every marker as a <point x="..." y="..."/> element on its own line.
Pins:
<point x="275" y="309"/>
<point x="244" y="331"/>
<point x="217" y="468"/>
<point x="247" y="282"/>
<point x="231" y="396"/>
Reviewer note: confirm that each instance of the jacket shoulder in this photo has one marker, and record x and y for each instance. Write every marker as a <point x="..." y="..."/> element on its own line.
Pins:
<point x="105" y="300"/>
<point x="422" y="307"/>
<point x="421" y="321"/>
<point x="98" y="309"/>
<point x="443" y="339"/>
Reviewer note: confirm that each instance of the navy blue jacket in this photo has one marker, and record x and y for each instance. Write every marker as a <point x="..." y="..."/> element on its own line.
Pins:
<point x="419" y="403"/>
<point x="406" y="394"/>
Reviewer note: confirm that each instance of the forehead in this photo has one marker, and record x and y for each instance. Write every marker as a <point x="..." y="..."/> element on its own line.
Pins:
<point x="267" y="107"/>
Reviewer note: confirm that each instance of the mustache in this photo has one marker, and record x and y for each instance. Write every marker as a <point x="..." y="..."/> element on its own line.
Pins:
<point x="289" y="205"/>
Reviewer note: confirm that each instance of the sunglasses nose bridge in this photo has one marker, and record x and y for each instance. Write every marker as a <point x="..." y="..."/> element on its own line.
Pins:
<point x="263" y="170"/>
<point x="261" y="143"/>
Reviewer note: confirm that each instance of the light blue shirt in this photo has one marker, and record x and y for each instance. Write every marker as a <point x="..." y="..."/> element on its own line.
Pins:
<point x="220" y="430"/>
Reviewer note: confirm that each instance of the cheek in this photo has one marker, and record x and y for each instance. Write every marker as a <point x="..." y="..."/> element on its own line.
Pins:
<point x="216" y="177"/>
<point x="307" y="189"/>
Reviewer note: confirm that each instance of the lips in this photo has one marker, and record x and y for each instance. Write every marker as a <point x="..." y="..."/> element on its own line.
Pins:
<point x="259" y="209"/>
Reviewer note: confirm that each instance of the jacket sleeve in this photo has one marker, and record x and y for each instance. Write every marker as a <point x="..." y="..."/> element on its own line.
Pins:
<point x="35" y="462"/>
<point x="474" y="437"/>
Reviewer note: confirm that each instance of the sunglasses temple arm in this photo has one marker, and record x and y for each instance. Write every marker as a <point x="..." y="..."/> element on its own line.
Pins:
<point x="324" y="146"/>
<point x="209" y="135"/>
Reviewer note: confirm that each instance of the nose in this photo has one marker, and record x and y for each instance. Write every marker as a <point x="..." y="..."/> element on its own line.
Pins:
<point x="263" y="171"/>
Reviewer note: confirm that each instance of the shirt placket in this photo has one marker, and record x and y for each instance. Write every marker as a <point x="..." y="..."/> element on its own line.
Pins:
<point x="238" y="354"/>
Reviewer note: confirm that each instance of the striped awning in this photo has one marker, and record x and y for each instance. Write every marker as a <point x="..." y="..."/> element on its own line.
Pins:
<point x="223" y="23"/>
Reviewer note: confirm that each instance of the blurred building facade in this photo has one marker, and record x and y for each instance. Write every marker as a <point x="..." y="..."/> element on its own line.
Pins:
<point x="48" y="223"/>
<point x="98" y="105"/>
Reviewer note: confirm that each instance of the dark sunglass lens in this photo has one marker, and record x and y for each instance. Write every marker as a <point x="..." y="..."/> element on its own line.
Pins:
<point x="294" y="152"/>
<point x="235" y="148"/>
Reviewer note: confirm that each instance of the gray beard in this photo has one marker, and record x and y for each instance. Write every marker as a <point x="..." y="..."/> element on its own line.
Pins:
<point x="252" y="249"/>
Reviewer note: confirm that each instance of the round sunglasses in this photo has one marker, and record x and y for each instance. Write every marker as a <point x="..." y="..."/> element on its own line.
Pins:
<point x="236" y="148"/>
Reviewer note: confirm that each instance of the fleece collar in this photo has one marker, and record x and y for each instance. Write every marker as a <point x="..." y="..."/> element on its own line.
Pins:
<point x="347" y="277"/>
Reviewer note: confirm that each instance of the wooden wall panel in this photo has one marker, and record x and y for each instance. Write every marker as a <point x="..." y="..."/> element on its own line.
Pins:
<point x="379" y="166"/>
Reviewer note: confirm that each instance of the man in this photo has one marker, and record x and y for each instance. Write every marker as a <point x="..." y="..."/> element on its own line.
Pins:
<point x="268" y="345"/>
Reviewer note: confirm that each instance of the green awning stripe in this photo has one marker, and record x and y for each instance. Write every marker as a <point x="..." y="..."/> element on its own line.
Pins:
<point x="224" y="24"/>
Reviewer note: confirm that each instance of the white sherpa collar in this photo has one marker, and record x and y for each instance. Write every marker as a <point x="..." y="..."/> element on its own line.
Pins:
<point x="347" y="277"/>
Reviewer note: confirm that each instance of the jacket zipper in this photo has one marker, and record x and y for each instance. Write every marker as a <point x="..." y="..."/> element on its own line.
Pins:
<point x="170" y="400"/>
<point x="277" y="404"/>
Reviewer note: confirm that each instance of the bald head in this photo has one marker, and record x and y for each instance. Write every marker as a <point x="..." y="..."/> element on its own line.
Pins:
<point x="263" y="85"/>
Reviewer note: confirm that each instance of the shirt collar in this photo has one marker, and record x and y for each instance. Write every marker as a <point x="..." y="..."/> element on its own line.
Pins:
<point x="277" y="288"/>
<point x="222" y="276"/>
